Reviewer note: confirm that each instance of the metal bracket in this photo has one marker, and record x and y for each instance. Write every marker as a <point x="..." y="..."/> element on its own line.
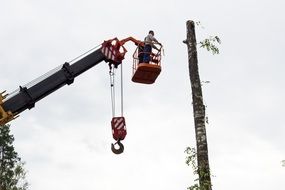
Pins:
<point x="29" y="99"/>
<point x="5" y="116"/>
<point x="68" y="73"/>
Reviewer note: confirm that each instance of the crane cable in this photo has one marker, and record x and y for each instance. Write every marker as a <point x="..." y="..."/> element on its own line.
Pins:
<point x="112" y="85"/>
<point x="85" y="53"/>
<point x="49" y="73"/>
<point x="113" y="91"/>
<point x="122" y="92"/>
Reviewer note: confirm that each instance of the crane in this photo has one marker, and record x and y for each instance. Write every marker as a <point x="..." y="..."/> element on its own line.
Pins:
<point x="111" y="51"/>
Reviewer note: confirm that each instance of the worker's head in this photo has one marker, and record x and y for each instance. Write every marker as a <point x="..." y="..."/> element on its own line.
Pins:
<point x="151" y="32"/>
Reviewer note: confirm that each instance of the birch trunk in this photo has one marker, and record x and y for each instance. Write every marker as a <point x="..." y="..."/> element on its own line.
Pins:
<point x="198" y="110"/>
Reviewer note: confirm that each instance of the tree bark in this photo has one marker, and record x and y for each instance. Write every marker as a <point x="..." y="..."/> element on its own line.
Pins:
<point x="198" y="110"/>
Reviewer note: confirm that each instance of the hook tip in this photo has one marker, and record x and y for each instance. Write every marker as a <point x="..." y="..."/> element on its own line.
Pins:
<point x="119" y="150"/>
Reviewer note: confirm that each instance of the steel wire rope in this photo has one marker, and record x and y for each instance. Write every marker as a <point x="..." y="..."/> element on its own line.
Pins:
<point x="42" y="77"/>
<point x="35" y="81"/>
<point x="85" y="53"/>
<point x="122" y="92"/>
<point x="112" y="85"/>
<point x="113" y="91"/>
<point x="49" y="73"/>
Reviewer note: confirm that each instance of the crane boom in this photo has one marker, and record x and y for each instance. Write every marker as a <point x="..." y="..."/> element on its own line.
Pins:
<point x="111" y="51"/>
<point x="27" y="97"/>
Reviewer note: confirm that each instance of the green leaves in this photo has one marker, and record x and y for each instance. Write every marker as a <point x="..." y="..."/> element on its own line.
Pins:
<point x="194" y="187"/>
<point x="211" y="44"/>
<point x="191" y="158"/>
<point x="12" y="173"/>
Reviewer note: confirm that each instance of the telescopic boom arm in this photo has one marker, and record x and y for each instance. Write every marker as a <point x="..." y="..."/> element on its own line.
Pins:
<point x="11" y="105"/>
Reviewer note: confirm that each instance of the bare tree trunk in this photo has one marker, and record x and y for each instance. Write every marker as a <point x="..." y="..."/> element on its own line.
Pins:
<point x="198" y="109"/>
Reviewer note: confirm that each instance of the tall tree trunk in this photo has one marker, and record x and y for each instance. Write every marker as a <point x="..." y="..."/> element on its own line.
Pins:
<point x="198" y="109"/>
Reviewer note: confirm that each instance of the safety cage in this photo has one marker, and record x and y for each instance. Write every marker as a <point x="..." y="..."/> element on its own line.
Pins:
<point x="144" y="72"/>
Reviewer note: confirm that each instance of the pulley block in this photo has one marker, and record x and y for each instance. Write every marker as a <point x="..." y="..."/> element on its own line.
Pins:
<point x="119" y="131"/>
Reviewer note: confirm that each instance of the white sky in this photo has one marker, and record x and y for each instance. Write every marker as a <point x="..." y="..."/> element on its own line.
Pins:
<point x="65" y="140"/>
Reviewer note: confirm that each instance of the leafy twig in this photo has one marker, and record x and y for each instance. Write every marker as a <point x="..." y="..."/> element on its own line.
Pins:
<point x="210" y="44"/>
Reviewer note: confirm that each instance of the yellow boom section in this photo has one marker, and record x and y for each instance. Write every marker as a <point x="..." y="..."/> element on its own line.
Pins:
<point x="5" y="117"/>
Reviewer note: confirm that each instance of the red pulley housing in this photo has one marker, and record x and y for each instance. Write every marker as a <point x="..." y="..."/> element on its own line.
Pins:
<point x="119" y="129"/>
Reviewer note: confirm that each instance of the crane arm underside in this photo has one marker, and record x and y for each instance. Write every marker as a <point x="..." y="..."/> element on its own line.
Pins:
<point x="26" y="97"/>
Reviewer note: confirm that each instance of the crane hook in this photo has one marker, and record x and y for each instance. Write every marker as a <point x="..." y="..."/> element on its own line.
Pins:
<point x="119" y="150"/>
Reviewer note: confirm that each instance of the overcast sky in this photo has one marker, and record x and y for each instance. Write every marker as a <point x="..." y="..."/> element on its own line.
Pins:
<point x="65" y="140"/>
